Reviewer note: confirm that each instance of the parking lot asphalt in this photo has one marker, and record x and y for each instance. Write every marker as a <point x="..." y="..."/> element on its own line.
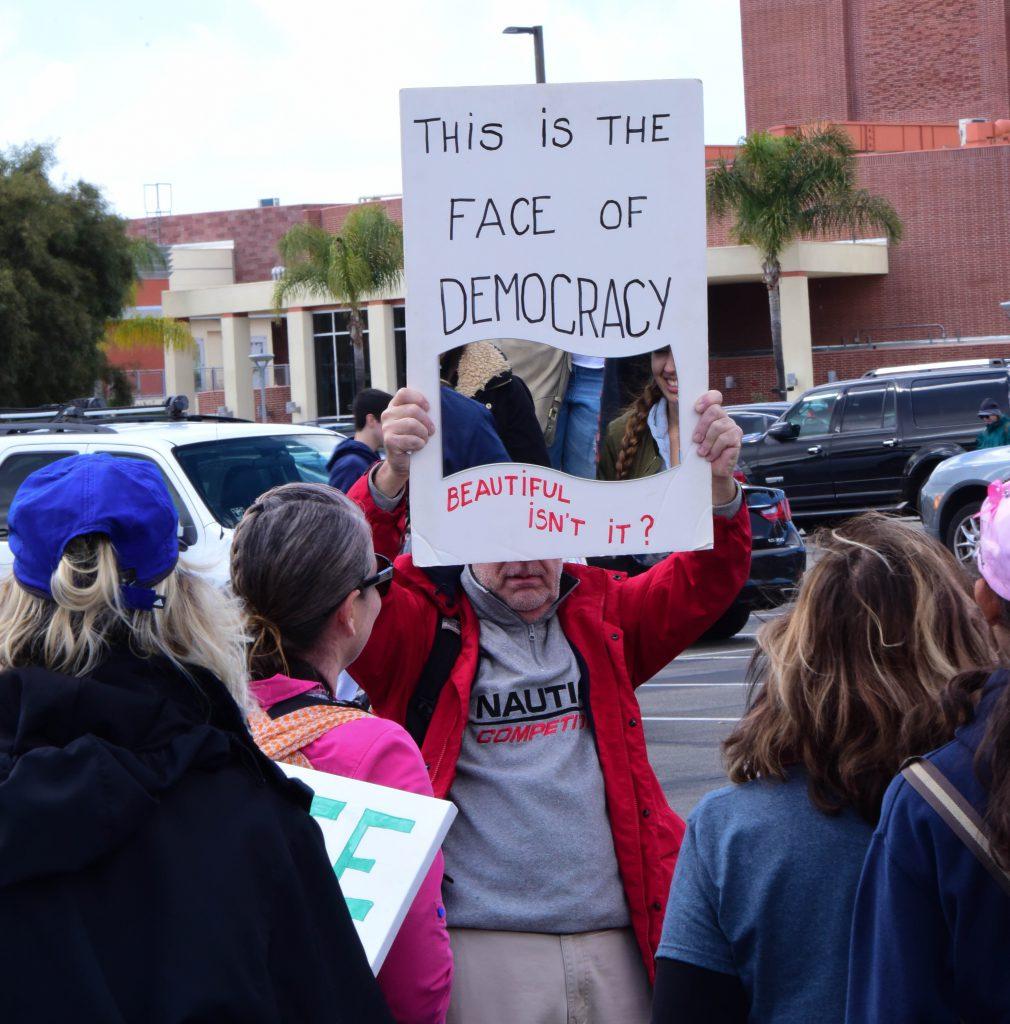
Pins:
<point x="690" y="707"/>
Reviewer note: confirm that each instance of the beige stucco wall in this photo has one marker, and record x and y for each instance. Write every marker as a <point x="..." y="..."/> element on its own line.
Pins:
<point x="202" y="266"/>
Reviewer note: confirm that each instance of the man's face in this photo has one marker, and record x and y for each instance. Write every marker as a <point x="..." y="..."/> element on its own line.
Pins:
<point x="990" y="418"/>
<point x="528" y="588"/>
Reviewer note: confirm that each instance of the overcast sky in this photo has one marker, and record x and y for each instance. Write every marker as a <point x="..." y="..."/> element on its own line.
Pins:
<point x="234" y="100"/>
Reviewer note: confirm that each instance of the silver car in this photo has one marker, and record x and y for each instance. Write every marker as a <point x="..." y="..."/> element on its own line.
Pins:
<point x="953" y="495"/>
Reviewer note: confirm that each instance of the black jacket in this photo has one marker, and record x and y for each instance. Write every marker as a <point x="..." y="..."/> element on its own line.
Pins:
<point x="155" y="867"/>
<point x="484" y="375"/>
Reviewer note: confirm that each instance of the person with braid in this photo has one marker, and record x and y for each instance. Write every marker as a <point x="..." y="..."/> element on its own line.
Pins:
<point x="312" y="586"/>
<point x="646" y="439"/>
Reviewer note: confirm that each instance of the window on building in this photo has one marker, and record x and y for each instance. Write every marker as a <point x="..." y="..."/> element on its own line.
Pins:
<point x="954" y="401"/>
<point x="335" y="384"/>
<point x="400" y="343"/>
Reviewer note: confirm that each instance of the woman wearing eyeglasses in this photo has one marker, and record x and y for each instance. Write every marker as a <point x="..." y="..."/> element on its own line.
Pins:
<point x="302" y="563"/>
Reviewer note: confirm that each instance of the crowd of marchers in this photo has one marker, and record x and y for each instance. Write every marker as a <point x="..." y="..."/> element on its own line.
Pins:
<point x="157" y="866"/>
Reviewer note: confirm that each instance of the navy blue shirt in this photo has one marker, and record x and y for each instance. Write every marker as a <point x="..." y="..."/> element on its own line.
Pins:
<point x="763" y="890"/>
<point x="931" y="932"/>
<point x="349" y="460"/>
<point x="469" y="437"/>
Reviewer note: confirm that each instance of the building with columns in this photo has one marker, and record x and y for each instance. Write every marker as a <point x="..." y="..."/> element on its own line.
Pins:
<point x="921" y="89"/>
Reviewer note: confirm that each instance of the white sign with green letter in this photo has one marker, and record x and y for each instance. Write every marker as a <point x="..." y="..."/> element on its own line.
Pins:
<point x="381" y="842"/>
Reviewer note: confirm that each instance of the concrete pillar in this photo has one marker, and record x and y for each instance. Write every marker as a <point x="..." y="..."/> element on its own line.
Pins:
<point x="796" y="337"/>
<point x="238" y="369"/>
<point x="381" y="347"/>
<point x="180" y="375"/>
<point x="302" y="365"/>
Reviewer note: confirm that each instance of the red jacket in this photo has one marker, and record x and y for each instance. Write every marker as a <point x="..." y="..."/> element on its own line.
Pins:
<point x="625" y="629"/>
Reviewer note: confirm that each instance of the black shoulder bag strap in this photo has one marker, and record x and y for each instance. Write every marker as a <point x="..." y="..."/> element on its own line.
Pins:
<point x="959" y="815"/>
<point x="444" y="652"/>
<point x="305" y="700"/>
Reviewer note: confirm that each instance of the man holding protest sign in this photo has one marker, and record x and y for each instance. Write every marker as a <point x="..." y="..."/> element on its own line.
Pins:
<point x="559" y="863"/>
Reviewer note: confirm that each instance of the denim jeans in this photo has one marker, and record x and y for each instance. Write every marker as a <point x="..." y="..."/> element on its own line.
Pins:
<point x="576" y="440"/>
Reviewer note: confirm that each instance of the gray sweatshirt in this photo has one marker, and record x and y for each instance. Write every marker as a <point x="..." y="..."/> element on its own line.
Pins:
<point x="532" y="848"/>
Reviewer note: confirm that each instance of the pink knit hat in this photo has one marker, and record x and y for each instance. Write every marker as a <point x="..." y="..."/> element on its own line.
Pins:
<point x="994" y="541"/>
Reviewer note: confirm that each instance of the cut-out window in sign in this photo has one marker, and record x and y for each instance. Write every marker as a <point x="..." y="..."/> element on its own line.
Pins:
<point x="573" y="217"/>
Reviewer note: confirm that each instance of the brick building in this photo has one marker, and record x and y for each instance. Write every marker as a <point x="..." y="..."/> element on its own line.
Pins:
<point x="898" y="74"/>
<point x="875" y="60"/>
<point x="901" y="76"/>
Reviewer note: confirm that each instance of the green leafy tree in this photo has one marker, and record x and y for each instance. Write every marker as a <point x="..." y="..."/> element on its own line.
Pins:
<point x="780" y="189"/>
<point x="65" y="270"/>
<point x="364" y="258"/>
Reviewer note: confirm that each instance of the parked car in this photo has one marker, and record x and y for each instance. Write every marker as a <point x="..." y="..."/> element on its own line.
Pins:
<point x="872" y="443"/>
<point x="214" y="467"/>
<point x="778" y="560"/>
<point x="757" y="418"/>
<point x="342" y="425"/>
<point x="953" y="495"/>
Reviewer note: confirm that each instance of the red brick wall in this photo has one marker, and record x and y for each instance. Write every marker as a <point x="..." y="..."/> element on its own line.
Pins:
<point x="855" y="362"/>
<point x="277" y="398"/>
<point x="755" y="375"/>
<point x="255" y="233"/>
<point x="953" y="266"/>
<point x="332" y="217"/>
<point x="208" y="403"/>
<point x="874" y="60"/>
<point x="738" y="318"/>
<point x="794" y="61"/>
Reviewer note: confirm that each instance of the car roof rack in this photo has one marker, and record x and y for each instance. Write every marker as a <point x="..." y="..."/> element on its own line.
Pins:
<point x="957" y="364"/>
<point x="36" y="427"/>
<point x="90" y="413"/>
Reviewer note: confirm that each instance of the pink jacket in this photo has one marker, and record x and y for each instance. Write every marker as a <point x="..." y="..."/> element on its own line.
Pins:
<point x="416" y="977"/>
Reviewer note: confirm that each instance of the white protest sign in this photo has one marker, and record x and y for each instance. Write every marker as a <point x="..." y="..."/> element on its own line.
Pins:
<point x="572" y="215"/>
<point x="381" y="842"/>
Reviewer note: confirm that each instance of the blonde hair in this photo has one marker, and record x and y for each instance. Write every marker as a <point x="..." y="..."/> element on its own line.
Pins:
<point x="198" y="626"/>
<point x="848" y="680"/>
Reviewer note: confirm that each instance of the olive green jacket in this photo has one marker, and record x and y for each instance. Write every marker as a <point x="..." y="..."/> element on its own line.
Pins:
<point x="647" y="459"/>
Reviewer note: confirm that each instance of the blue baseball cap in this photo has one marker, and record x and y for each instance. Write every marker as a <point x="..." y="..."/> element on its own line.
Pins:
<point x="125" y="499"/>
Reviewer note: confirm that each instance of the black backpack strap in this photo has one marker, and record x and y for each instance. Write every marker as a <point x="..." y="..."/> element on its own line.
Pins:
<point x="444" y="652"/>
<point x="307" y="700"/>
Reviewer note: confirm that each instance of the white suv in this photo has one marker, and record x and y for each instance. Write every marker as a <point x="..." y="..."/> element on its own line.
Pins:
<point x="214" y="469"/>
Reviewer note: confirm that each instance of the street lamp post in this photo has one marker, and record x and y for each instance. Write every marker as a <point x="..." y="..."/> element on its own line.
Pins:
<point x="260" y="361"/>
<point x="537" y="31"/>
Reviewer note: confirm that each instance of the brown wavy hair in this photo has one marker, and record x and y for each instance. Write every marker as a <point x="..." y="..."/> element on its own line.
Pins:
<point x="846" y="684"/>
<point x="637" y="427"/>
<point x="299" y="549"/>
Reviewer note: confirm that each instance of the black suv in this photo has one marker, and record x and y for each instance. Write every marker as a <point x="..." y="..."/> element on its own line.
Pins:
<point x="871" y="443"/>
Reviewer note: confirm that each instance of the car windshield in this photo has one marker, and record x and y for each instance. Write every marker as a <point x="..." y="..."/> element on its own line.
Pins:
<point x="231" y="474"/>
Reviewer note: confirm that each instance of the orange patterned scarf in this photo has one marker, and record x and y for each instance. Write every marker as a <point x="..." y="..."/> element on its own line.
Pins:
<point x="282" y="739"/>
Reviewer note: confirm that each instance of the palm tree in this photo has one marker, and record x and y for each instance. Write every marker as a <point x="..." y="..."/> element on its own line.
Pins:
<point x="137" y="332"/>
<point x="780" y="189"/>
<point x="365" y="257"/>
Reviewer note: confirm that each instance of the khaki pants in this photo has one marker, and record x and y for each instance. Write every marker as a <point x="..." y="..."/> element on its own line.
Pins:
<point x="529" y="978"/>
